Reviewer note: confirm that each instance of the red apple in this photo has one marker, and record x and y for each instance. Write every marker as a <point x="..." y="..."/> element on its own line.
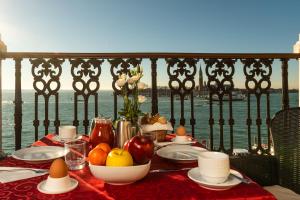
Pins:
<point x="141" y="148"/>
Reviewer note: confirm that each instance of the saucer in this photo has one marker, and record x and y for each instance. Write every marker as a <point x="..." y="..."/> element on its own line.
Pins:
<point x="42" y="189"/>
<point x="56" y="138"/>
<point x="195" y="176"/>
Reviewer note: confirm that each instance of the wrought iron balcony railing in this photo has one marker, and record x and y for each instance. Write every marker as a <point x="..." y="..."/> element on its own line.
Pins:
<point x="85" y="69"/>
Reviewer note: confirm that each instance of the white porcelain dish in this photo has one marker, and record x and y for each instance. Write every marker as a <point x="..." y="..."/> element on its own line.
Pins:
<point x="194" y="175"/>
<point x="39" y="154"/>
<point x="187" y="141"/>
<point x="180" y="138"/>
<point x="56" y="138"/>
<point x="120" y="175"/>
<point x="180" y="153"/>
<point x="57" y="185"/>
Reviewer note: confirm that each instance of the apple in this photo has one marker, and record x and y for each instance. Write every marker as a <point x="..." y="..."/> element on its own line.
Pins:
<point x="141" y="148"/>
<point x="118" y="158"/>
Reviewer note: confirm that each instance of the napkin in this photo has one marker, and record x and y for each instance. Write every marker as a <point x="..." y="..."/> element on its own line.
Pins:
<point x="10" y="176"/>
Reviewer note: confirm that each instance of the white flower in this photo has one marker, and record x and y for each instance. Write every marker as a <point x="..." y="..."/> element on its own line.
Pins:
<point x="134" y="78"/>
<point x="121" y="82"/>
<point x="142" y="85"/>
<point x="141" y="99"/>
<point x="122" y="76"/>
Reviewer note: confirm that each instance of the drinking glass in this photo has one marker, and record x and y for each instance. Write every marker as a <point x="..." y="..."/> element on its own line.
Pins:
<point x="75" y="154"/>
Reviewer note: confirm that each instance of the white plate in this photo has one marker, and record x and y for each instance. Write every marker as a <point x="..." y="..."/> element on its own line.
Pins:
<point x="39" y="154"/>
<point x="56" y="138"/>
<point x="180" y="153"/>
<point x="41" y="187"/>
<point x="195" y="176"/>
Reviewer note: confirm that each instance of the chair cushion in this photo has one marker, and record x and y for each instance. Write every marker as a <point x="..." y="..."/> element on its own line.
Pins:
<point x="282" y="193"/>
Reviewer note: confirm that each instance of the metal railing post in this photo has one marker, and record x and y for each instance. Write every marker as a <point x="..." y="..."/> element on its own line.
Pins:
<point x="154" y="86"/>
<point x="2" y="50"/>
<point x="285" y="86"/>
<point x="18" y="103"/>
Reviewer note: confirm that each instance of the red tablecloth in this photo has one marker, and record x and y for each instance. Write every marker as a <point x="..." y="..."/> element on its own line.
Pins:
<point x="171" y="185"/>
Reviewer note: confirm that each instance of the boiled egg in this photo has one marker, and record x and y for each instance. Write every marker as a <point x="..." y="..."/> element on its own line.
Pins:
<point x="58" y="169"/>
<point x="180" y="131"/>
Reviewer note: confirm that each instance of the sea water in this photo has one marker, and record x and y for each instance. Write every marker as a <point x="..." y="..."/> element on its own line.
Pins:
<point x="201" y="114"/>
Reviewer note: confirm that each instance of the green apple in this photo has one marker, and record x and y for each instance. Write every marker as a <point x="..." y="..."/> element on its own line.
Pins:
<point x="119" y="158"/>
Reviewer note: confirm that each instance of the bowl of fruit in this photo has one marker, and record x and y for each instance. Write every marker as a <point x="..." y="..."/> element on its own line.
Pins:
<point x="122" y="166"/>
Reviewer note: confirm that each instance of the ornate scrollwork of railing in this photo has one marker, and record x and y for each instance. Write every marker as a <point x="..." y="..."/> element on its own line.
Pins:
<point x="182" y="82"/>
<point x="182" y="72"/>
<point x="220" y="83"/>
<point x="46" y="74"/>
<point x="119" y="66"/>
<point x="86" y="74"/>
<point x="220" y="74"/>
<point x="258" y="73"/>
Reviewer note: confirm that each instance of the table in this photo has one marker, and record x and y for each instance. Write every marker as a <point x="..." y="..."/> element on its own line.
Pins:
<point x="167" y="185"/>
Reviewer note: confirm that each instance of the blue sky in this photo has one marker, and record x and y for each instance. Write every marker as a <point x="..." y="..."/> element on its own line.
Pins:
<point x="212" y="26"/>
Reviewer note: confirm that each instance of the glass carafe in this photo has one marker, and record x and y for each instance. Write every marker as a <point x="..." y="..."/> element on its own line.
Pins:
<point x="102" y="131"/>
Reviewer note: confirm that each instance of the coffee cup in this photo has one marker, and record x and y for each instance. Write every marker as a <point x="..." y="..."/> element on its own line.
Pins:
<point x="67" y="133"/>
<point x="214" y="166"/>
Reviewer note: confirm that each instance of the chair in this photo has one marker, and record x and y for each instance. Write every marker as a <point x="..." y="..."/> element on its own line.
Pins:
<point x="285" y="130"/>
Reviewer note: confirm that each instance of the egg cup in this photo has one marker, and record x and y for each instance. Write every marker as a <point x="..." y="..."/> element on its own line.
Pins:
<point x="57" y="185"/>
<point x="181" y="138"/>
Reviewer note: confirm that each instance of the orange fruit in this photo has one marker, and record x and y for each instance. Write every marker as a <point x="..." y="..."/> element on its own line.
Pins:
<point x="104" y="146"/>
<point x="97" y="156"/>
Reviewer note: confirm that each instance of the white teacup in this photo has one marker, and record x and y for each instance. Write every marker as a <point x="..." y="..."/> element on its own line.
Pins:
<point x="179" y="138"/>
<point x="57" y="184"/>
<point x="67" y="133"/>
<point x="214" y="166"/>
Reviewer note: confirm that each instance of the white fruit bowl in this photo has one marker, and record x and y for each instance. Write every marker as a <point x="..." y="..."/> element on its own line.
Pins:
<point x="120" y="175"/>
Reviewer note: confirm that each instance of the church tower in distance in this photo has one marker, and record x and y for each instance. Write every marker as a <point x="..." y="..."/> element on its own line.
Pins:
<point x="201" y="88"/>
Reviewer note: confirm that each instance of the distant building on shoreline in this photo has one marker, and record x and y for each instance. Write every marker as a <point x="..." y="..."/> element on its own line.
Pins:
<point x="201" y="89"/>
